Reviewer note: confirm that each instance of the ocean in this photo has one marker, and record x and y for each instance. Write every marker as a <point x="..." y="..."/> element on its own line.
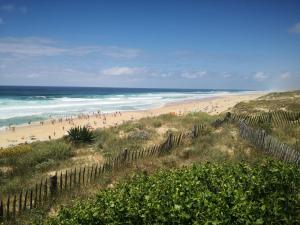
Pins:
<point x="21" y="104"/>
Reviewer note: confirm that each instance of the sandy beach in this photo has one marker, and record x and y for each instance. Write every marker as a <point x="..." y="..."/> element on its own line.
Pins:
<point x="53" y="129"/>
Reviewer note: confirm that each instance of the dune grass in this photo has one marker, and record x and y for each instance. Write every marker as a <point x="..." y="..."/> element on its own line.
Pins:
<point x="289" y="101"/>
<point x="23" y="162"/>
<point x="285" y="101"/>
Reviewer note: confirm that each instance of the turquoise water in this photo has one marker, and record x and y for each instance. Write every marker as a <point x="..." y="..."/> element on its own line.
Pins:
<point x="18" y="105"/>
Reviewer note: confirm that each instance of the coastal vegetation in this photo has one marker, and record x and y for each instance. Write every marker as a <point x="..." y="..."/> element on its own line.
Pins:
<point x="286" y="101"/>
<point x="221" y="169"/>
<point x="209" y="193"/>
<point x="80" y="135"/>
<point x="278" y="102"/>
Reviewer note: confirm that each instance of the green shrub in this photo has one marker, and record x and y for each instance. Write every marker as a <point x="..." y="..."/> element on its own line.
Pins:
<point x="80" y="134"/>
<point x="45" y="165"/>
<point x="41" y="153"/>
<point x="265" y="126"/>
<point x="265" y="193"/>
<point x="138" y="135"/>
<point x="156" y="123"/>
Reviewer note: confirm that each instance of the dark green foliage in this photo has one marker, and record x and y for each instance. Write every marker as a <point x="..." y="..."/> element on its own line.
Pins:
<point x="266" y="126"/>
<point x="264" y="193"/>
<point x="80" y="135"/>
<point x="156" y="123"/>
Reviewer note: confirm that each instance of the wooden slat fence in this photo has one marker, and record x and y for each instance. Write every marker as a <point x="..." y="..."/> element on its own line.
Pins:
<point x="268" y="144"/>
<point x="67" y="180"/>
<point x="276" y="118"/>
<point x="260" y="138"/>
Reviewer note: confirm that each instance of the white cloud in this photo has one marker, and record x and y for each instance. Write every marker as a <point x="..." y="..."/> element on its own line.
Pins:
<point x="226" y="75"/>
<point x="35" y="46"/>
<point x="12" y="8"/>
<point x="260" y="76"/>
<point x="111" y="51"/>
<point x="1" y="21"/>
<point x="285" y="76"/>
<point x="29" y="47"/>
<point x="295" y="29"/>
<point x="118" y="71"/>
<point x="193" y="74"/>
<point x="7" y="8"/>
<point x="164" y="75"/>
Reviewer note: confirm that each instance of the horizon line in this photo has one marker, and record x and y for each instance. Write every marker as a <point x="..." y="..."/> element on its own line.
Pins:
<point x="163" y="88"/>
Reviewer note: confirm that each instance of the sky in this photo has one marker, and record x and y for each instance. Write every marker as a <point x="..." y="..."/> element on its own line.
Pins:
<point x="164" y="44"/>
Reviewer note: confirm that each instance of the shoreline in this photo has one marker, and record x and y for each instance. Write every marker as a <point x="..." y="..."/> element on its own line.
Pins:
<point x="37" y="131"/>
<point x="176" y="102"/>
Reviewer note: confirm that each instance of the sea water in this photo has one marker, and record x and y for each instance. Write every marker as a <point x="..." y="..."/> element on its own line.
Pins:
<point x="22" y="104"/>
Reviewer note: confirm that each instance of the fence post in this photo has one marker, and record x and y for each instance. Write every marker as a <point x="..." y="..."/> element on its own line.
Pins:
<point x="14" y="206"/>
<point x="20" y="202"/>
<point x="25" y="200"/>
<point x="103" y="169"/>
<point x="40" y="193"/>
<point x="95" y="173"/>
<point x="53" y="185"/>
<point x="66" y="180"/>
<point x="79" y="176"/>
<point x="1" y="210"/>
<point x="61" y="181"/>
<point x="36" y="195"/>
<point x="74" y="177"/>
<point x="87" y="176"/>
<point x="91" y="174"/>
<point x="7" y="207"/>
<point x="70" y="180"/>
<point x="46" y="189"/>
<point x="83" y="174"/>
<point x="100" y="169"/>
<point x="125" y="155"/>
<point x="194" y="131"/>
<point x="30" y="203"/>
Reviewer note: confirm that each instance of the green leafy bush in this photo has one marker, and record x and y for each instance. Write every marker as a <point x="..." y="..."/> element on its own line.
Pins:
<point x="156" y="123"/>
<point x="138" y="135"/>
<point x="265" y="193"/>
<point x="45" y="165"/>
<point x="81" y="134"/>
<point x="43" y="152"/>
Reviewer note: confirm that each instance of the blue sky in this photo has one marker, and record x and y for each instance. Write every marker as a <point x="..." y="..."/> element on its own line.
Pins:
<point x="172" y="44"/>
